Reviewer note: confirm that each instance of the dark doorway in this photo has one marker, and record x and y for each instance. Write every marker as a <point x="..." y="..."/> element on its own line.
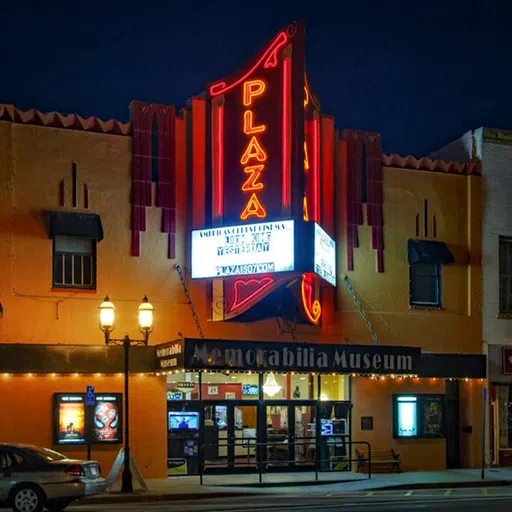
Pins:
<point x="452" y="425"/>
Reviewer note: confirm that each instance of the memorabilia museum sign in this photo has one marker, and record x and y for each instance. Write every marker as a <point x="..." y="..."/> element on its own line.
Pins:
<point x="302" y="357"/>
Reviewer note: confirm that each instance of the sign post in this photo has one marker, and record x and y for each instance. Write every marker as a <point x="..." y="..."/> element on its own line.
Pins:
<point x="484" y="412"/>
<point x="90" y="398"/>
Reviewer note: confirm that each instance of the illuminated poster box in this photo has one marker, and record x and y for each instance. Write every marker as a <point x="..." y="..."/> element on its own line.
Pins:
<point x="263" y="248"/>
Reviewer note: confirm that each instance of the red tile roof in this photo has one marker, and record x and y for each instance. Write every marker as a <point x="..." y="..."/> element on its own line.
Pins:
<point x="427" y="164"/>
<point x="69" y="122"/>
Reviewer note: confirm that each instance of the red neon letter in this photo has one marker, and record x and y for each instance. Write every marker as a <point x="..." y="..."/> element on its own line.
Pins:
<point x="253" y="89"/>
<point x="249" y="129"/>
<point x="253" y="207"/>
<point x="253" y="150"/>
<point x="251" y="183"/>
<point x="306" y="158"/>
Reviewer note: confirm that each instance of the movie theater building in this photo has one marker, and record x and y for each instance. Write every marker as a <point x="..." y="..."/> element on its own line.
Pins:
<point x="308" y="290"/>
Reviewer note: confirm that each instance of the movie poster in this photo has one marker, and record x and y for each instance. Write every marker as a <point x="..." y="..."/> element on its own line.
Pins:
<point x="433" y="416"/>
<point x="70" y="420"/>
<point x="107" y="424"/>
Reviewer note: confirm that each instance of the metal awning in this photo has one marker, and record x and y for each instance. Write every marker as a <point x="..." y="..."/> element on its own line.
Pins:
<point x="79" y="225"/>
<point x="429" y="251"/>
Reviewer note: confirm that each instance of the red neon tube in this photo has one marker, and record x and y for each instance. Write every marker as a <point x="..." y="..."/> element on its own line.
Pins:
<point x="286" y="145"/>
<point x="316" y="170"/>
<point x="219" y="153"/>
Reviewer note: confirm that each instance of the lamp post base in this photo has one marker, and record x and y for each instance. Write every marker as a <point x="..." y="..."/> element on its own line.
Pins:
<point x="126" y="481"/>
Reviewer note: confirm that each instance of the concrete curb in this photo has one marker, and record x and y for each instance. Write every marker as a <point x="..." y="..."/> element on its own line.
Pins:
<point x="445" y="485"/>
<point x="141" y="497"/>
<point x="147" y="498"/>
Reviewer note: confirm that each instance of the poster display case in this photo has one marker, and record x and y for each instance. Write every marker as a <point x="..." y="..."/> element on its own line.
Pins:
<point x="75" y="423"/>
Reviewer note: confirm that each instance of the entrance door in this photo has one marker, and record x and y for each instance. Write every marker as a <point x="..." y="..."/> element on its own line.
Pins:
<point x="230" y="434"/>
<point x="452" y="425"/>
<point x="291" y="435"/>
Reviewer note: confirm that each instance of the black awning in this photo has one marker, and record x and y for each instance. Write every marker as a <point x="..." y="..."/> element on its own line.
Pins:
<point x="472" y="366"/>
<point x="79" y="225"/>
<point x="428" y="251"/>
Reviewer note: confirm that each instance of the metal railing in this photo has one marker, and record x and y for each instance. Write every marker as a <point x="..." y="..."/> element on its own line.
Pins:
<point x="257" y="455"/>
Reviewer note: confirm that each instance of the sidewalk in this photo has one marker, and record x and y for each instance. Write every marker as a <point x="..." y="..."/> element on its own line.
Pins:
<point x="221" y="486"/>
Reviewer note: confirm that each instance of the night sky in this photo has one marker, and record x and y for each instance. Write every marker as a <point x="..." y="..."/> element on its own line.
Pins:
<point x="420" y="72"/>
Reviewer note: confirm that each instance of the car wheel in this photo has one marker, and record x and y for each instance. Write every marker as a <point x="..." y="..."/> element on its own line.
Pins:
<point x="57" y="506"/>
<point x="27" y="498"/>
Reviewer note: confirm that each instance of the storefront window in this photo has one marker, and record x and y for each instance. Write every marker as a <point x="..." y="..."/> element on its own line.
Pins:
<point x="183" y="386"/>
<point x="230" y="386"/>
<point x="505" y="416"/>
<point x="334" y="387"/>
<point x="289" y="386"/>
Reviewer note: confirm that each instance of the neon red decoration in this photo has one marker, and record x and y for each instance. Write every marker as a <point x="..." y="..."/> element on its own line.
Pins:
<point x="218" y="122"/>
<point x="260" y="284"/>
<point x="312" y="307"/>
<point x="286" y="142"/>
<point x="253" y="208"/>
<point x="269" y="58"/>
<point x="316" y="170"/>
<point x="253" y="89"/>
<point x="251" y="183"/>
<point x="249" y="129"/>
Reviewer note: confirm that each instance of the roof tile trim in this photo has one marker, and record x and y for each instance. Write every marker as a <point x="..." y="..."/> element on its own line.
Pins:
<point x="427" y="164"/>
<point x="69" y="122"/>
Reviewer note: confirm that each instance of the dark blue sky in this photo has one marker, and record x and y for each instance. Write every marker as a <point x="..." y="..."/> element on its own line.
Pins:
<point x="420" y="72"/>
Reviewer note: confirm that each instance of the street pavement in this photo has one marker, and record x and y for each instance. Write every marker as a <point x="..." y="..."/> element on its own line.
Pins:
<point x="424" y="500"/>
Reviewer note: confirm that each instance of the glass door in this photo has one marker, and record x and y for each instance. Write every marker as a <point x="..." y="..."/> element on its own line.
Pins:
<point x="230" y="434"/>
<point x="291" y="435"/>
<point x="277" y="435"/>
<point x="304" y="435"/>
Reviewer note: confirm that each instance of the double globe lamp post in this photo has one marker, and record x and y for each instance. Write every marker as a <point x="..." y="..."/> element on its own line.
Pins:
<point x="107" y="324"/>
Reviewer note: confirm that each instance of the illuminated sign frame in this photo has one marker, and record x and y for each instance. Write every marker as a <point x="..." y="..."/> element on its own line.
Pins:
<point x="254" y="241"/>
<point x="302" y="245"/>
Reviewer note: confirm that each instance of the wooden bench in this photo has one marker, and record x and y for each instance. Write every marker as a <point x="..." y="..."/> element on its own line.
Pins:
<point x="379" y="458"/>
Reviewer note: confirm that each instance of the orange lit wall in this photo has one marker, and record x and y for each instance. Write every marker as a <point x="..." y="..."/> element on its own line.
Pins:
<point x="27" y="405"/>
<point x="415" y="454"/>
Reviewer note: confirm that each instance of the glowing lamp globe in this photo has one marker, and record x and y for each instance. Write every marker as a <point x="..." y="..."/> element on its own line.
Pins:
<point x="107" y="314"/>
<point x="146" y="315"/>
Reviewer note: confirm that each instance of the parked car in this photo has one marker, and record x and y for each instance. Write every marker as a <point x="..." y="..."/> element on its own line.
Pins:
<point x="33" y="478"/>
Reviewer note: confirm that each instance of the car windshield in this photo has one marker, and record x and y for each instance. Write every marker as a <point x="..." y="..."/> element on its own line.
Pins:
<point x="45" y="453"/>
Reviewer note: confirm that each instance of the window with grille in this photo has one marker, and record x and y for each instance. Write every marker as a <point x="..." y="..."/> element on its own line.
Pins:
<point x="425" y="284"/>
<point x="74" y="262"/>
<point x="505" y="256"/>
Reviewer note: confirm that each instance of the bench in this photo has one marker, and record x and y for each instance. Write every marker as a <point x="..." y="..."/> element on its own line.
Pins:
<point x="378" y="458"/>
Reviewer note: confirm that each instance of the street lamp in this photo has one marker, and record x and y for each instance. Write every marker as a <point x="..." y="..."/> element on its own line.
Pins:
<point x="107" y="324"/>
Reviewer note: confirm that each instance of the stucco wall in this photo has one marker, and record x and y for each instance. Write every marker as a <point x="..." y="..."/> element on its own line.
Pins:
<point x="26" y="403"/>
<point x="37" y="158"/>
<point x="497" y="176"/>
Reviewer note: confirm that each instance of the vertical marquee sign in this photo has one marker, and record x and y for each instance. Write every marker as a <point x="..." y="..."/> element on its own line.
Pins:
<point x="265" y="160"/>
<point x="256" y="128"/>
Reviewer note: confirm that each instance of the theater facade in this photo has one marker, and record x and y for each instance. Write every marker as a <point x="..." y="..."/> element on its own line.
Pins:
<point x="310" y="291"/>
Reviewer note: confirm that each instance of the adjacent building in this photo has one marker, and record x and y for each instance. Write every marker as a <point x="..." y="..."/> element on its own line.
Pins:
<point x="493" y="147"/>
<point x="310" y="292"/>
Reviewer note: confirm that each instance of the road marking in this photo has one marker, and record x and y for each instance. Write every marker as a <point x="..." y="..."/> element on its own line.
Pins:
<point x="409" y="493"/>
<point x="484" y="491"/>
<point x="448" y="492"/>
